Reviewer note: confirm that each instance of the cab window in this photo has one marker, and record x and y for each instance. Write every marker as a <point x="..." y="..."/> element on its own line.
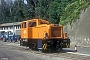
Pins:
<point x="32" y="24"/>
<point x="24" y="25"/>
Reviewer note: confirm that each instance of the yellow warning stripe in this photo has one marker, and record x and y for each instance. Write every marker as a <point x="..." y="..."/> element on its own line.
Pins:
<point x="44" y="46"/>
<point x="67" y="45"/>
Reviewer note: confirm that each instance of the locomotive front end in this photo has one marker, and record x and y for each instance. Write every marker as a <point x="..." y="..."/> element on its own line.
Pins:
<point x="57" y="39"/>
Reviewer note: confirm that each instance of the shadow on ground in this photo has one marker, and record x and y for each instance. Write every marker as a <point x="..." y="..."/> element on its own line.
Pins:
<point x="53" y="51"/>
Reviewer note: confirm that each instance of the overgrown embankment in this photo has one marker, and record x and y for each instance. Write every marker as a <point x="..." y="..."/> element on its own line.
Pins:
<point x="79" y="31"/>
<point x="77" y="21"/>
<point x="72" y="11"/>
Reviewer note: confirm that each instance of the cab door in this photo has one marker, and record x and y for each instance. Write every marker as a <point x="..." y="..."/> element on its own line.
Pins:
<point x="24" y="30"/>
<point x="31" y="28"/>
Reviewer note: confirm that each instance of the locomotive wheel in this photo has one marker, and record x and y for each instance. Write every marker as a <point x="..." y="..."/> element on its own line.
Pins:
<point x="59" y="50"/>
<point x="31" y="46"/>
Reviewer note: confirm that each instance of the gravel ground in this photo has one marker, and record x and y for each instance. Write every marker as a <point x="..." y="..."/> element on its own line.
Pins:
<point x="43" y="56"/>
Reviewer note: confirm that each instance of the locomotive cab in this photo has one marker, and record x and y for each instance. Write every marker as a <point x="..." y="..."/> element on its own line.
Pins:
<point x="40" y="34"/>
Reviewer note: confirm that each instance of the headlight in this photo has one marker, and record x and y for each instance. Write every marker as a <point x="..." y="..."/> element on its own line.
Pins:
<point x="46" y="35"/>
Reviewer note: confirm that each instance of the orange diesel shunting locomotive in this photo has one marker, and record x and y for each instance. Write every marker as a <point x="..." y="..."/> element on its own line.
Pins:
<point x="40" y="34"/>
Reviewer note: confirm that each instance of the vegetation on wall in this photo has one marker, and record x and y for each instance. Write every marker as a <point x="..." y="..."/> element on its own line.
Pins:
<point x="55" y="11"/>
<point x="72" y="11"/>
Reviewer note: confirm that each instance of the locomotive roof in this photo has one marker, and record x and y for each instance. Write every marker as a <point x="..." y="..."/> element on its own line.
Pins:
<point x="32" y="20"/>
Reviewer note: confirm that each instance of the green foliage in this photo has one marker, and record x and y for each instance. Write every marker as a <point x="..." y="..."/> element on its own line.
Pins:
<point x="72" y="11"/>
<point x="55" y="11"/>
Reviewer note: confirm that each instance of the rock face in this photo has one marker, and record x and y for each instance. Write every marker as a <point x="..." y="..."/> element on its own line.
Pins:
<point x="79" y="31"/>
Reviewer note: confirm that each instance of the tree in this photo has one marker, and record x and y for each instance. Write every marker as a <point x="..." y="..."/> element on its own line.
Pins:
<point x="17" y="10"/>
<point x="2" y="9"/>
